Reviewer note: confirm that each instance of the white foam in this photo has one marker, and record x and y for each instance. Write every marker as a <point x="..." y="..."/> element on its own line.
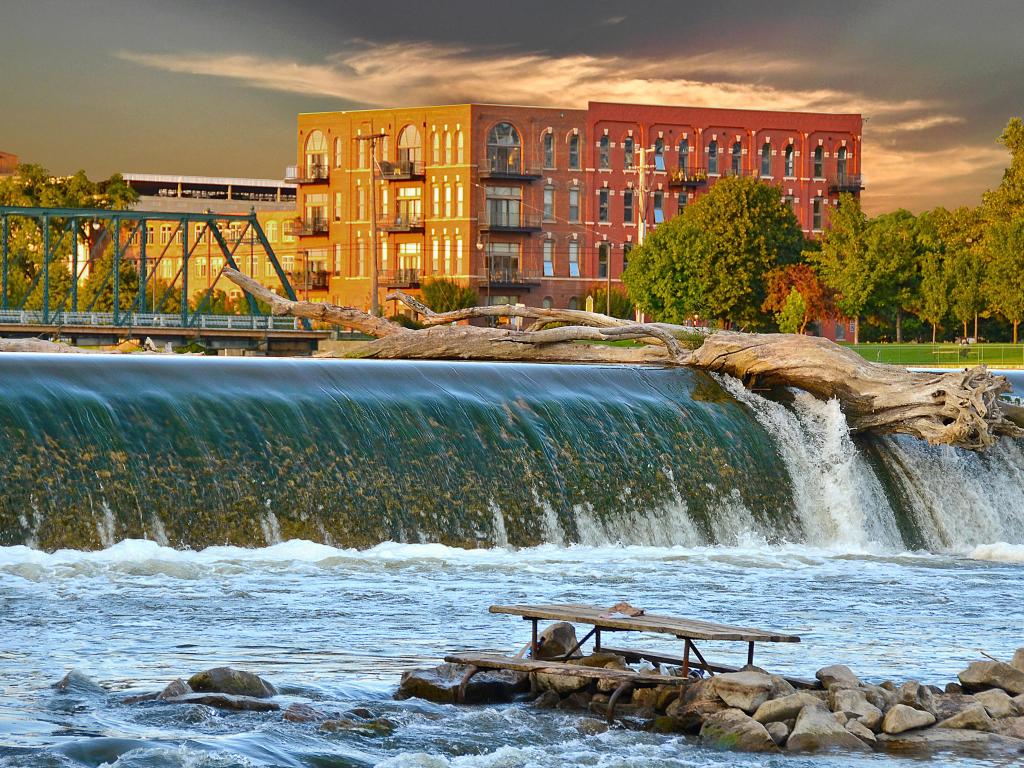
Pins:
<point x="999" y="552"/>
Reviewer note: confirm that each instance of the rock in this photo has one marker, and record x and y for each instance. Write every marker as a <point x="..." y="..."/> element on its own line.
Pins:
<point x="743" y="690"/>
<point x="780" y="687"/>
<point x="837" y="674"/>
<point x="1018" y="659"/>
<point x="954" y="688"/>
<point x="972" y="718"/>
<point x="577" y="700"/>
<point x="946" y="740"/>
<point x="841" y="718"/>
<point x="779" y="732"/>
<point x="174" y="689"/>
<point x="556" y="640"/>
<point x="226" y="701"/>
<point x="878" y="696"/>
<point x="379" y="727"/>
<point x="888" y="685"/>
<point x="737" y="731"/>
<point x="302" y="713"/>
<point x="862" y="732"/>
<point x="905" y="718"/>
<point x="854" y="703"/>
<point x="441" y="684"/>
<point x="816" y="730"/>
<point x="588" y="726"/>
<point x="231" y="681"/>
<point x="913" y="694"/>
<point x="1011" y="726"/>
<point x="982" y="675"/>
<point x="689" y="712"/>
<point x="951" y="704"/>
<point x="140" y="698"/>
<point x="79" y="682"/>
<point x="786" y="708"/>
<point x="559" y="683"/>
<point x="547" y="700"/>
<point x="997" y="702"/>
<point x="601" y="659"/>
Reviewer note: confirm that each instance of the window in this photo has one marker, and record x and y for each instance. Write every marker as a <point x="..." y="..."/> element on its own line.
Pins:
<point x="713" y="157"/>
<point x="604" y="153"/>
<point x="447" y="148"/>
<point x="659" y="154"/>
<point x="574" y="204"/>
<point x="574" y="152"/>
<point x="268" y="269"/>
<point x="447" y="256"/>
<point x="816" y="214"/>
<point x="574" y="258"/>
<point x="271" y="232"/>
<point x="361" y="203"/>
<point x="361" y="266"/>
<point x="150" y="236"/>
<point x="165" y="234"/>
<point x="459" y="200"/>
<point x="549" y="203"/>
<point x="447" y="201"/>
<point x="384" y="203"/>
<point x="435" y="262"/>
<point x="337" y="152"/>
<point x="659" y="206"/>
<point x="549" y="258"/>
<point x="362" y="153"/>
<point x="627" y="206"/>
<point x="435" y="156"/>
<point x="628" y="159"/>
<point x="503" y="260"/>
<point x="337" y="206"/>
<point x="602" y="205"/>
<point x="573" y="303"/>
<point x="766" y="160"/>
<point x="197" y="233"/>
<point x="384" y="254"/>
<point x="504" y="206"/>
<point x="168" y="267"/>
<point x="216" y="265"/>
<point x="504" y="151"/>
<point x="819" y="162"/>
<point x="790" y="201"/>
<point x="458" y="256"/>
<point x="409" y="206"/>
<point x="410" y="256"/>
<point x="603" y="253"/>
<point x="435" y="207"/>
<point x="316" y="155"/>
<point x="626" y="248"/>
<point x="788" y="170"/>
<point x="337" y="259"/>
<point x="200" y="266"/>
<point x="841" y="164"/>
<point x="549" y="150"/>
<point x="840" y="331"/>
<point x="684" y="155"/>
<point x="460" y="148"/>
<point x="315" y="213"/>
<point x="737" y="158"/>
<point x="547" y="302"/>
<point x="410" y="147"/>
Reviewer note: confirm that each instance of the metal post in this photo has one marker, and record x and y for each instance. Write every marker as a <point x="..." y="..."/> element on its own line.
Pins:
<point x="686" y="657"/>
<point x="74" y="263"/>
<point x="184" y="274"/>
<point x="608" y="283"/>
<point x="374" y="277"/>
<point x="6" y="236"/>
<point x="750" y="654"/>
<point x="116" y="270"/>
<point x="597" y="640"/>
<point x="533" y="640"/>
<point x="46" y="268"/>
<point x="143" y="277"/>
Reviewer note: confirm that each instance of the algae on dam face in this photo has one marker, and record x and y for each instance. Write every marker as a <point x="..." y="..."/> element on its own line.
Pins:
<point x="195" y="452"/>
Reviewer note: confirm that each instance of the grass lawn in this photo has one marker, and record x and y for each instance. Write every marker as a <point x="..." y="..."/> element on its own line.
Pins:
<point x="943" y="355"/>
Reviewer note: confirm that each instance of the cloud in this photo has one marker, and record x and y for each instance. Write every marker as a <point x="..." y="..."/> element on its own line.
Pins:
<point x="611" y="21"/>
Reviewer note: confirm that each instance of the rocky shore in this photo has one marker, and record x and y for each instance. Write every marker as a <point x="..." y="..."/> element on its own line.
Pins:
<point x="752" y="710"/>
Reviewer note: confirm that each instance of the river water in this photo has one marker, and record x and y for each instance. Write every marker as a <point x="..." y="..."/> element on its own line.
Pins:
<point x="900" y="560"/>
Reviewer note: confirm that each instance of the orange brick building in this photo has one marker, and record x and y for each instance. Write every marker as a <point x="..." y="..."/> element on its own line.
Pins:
<point x="537" y="205"/>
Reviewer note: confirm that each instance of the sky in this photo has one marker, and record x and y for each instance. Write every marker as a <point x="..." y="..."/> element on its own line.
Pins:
<point x="213" y="87"/>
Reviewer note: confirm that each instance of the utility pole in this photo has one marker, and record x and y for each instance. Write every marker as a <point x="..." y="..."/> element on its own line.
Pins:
<point x="374" y="276"/>
<point x="641" y="193"/>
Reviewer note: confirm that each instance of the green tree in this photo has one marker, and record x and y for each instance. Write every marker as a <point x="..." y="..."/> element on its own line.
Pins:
<point x="97" y="291"/>
<point x="1004" y="281"/>
<point x="621" y="305"/>
<point x="893" y="253"/>
<point x="444" y="295"/>
<point x="933" y="301"/>
<point x="844" y="263"/>
<point x="1007" y="200"/>
<point x="791" y="317"/>
<point x="714" y="258"/>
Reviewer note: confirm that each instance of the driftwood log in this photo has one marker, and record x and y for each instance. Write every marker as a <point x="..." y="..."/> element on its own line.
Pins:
<point x="958" y="408"/>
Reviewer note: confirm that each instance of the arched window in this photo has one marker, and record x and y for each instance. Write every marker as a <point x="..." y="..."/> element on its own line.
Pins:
<point x="316" y="155"/>
<point x="684" y="155"/>
<point x="337" y="152"/>
<point x="548" y="142"/>
<point x="447" y="148"/>
<point x="737" y="158"/>
<point x="548" y="302"/>
<point x="604" y="153"/>
<point x="713" y="156"/>
<point x="460" y="148"/>
<point x="504" y="149"/>
<point x="385" y="148"/>
<point x="410" y="146"/>
<point x="819" y="162"/>
<point x="659" y="154"/>
<point x="841" y="164"/>
<point x="627" y="153"/>
<point x="573" y="303"/>
<point x="574" y="152"/>
<point x="435" y="155"/>
<point x="766" y="160"/>
<point x="788" y="170"/>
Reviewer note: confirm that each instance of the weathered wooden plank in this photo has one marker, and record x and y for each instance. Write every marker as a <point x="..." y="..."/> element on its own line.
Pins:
<point x="661" y="657"/>
<point x="649" y="622"/>
<point x="499" y="661"/>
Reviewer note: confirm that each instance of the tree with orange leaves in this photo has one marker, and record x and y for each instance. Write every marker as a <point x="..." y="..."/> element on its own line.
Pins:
<point x="819" y="301"/>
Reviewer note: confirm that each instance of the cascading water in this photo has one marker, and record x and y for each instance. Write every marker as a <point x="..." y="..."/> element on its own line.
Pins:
<point x="193" y="452"/>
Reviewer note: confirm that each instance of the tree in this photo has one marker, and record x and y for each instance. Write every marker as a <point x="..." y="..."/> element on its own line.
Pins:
<point x="621" y="305"/>
<point x="97" y="292"/>
<point x="1007" y="200"/>
<point x="818" y="300"/>
<point x="960" y="235"/>
<point x="443" y="295"/>
<point x="1004" y="281"/>
<point x="844" y="263"/>
<point x="792" y="316"/>
<point x="714" y="258"/>
<point x="933" y="301"/>
<point x="893" y="252"/>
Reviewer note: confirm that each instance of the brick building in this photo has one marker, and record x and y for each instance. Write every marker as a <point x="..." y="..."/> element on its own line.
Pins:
<point x="538" y="205"/>
<point x="8" y="163"/>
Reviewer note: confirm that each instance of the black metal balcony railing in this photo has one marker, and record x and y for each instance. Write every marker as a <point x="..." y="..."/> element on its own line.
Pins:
<point x="688" y="177"/>
<point x="314" y="226"/>
<point x="310" y="174"/>
<point x="846" y="182"/>
<point x="400" y="278"/>
<point x="498" y="221"/>
<point x="318" y="280"/>
<point x="401" y="222"/>
<point x="510" y="276"/>
<point x="402" y="170"/>
<point x="507" y="167"/>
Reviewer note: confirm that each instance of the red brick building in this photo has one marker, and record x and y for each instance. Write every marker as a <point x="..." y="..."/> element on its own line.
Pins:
<point x="538" y="205"/>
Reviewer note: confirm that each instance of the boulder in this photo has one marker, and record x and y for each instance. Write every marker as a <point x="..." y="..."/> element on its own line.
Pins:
<point x="779" y="732"/>
<point x="559" y="683"/>
<point x="79" y="682"/>
<point x="657" y="698"/>
<point x="547" y="700"/>
<point x="982" y="675"/>
<point x="997" y="703"/>
<point x="837" y="674"/>
<point x="378" y="727"/>
<point x="556" y="640"/>
<point x="588" y="726"/>
<point x="786" y="708"/>
<point x="879" y="696"/>
<point x="950" y="704"/>
<point x="743" y="690"/>
<point x="816" y="730"/>
<point x="904" y="718"/>
<point x="441" y="684"/>
<point x="862" y="732"/>
<point x="841" y="718"/>
<point x="227" y="701"/>
<point x="954" y="688"/>
<point x="1018" y="659"/>
<point x="302" y="713"/>
<point x="235" y="682"/>
<point x="577" y="700"/>
<point x="972" y="718"/>
<point x="1011" y="726"/>
<point x="913" y="694"/>
<point x="947" y="740"/>
<point x="735" y="730"/>
<point x="698" y="702"/>
<point x="854" y="703"/>
<point x="174" y="689"/>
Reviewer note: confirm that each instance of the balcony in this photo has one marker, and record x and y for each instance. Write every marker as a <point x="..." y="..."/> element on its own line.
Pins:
<point x="399" y="278"/>
<point x="688" y="178"/>
<point x="510" y="277"/>
<point x="401" y="223"/>
<point x="309" y="227"/>
<point x="846" y="182"/>
<point x="403" y="170"/>
<point x="496" y="221"/>
<point x="508" y="167"/>
<point x="314" y="173"/>
<point x="310" y="281"/>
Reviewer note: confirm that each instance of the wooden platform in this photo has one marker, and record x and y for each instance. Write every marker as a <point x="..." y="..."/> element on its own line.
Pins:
<point x="632" y="656"/>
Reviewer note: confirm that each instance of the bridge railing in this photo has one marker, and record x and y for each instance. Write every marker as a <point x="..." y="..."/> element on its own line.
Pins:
<point x="150" y="320"/>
